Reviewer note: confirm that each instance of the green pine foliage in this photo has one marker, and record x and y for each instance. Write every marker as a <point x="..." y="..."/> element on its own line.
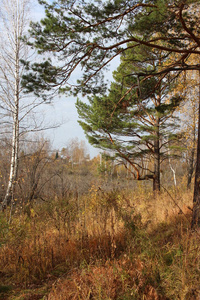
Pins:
<point x="89" y="34"/>
<point x="135" y="119"/>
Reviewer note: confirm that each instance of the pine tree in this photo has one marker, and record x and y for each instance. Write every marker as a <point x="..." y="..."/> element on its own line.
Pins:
<point x="85" y="36"/>
<point x="135" y="118"/>
<point x="90" y="34"/>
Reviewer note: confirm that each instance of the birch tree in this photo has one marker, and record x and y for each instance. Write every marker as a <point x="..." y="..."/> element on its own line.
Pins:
<point x="14" y="106"/>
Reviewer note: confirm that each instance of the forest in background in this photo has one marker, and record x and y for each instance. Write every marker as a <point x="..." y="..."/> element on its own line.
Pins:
<point x="125" y="224"/>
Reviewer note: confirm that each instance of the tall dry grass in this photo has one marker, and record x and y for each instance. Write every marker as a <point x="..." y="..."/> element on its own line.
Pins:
<point x="103" y="245"/>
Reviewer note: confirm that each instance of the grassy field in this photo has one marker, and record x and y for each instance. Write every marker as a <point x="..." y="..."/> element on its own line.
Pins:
<point x="103" y="245"/>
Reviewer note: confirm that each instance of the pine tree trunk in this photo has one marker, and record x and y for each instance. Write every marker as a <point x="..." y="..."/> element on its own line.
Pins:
<point x="156" y="178"/>
<point x="196" y="198"/>
<point x="190" y="169"/>
<point x="191" y="163"/>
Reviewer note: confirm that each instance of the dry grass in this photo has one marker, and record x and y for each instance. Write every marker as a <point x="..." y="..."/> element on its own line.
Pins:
<point x="113" y="280"/>
<point x="114" y="245"/>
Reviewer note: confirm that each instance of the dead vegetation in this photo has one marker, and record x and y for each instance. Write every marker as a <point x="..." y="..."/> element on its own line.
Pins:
<point x="118" y="245"/>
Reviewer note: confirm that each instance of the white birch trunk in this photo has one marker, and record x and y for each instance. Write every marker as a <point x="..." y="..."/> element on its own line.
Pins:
<point x="15" y="136"/>
<point x="13" y="16"/>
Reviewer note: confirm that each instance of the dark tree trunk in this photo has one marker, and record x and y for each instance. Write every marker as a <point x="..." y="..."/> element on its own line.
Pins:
<point x="190" y="169"/>
<point x="196" y="198"/>
<point x="156" y="178"/>
<point x="156" y="183"/>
